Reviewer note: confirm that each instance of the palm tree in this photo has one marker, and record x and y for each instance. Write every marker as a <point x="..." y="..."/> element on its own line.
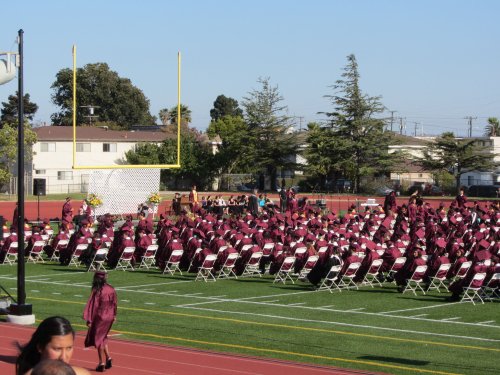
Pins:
<point x="185" y="115"/>
<point x="493" y="127"/>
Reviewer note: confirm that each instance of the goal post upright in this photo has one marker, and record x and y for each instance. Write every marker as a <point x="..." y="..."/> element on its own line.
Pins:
<point x="130" y="166"/>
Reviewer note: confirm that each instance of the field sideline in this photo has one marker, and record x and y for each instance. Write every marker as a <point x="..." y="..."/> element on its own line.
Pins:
<point x="375" y="329"/>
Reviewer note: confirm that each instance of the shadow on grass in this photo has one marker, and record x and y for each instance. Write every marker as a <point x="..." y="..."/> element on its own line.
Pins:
<point x="428" y="298"/>
<point x="376" y="291"/>
<point x="405" y="361"/>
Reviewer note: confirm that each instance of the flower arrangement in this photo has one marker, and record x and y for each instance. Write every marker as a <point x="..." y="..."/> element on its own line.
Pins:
<point x="94" y="201"/>
<point x="154" y="198"/>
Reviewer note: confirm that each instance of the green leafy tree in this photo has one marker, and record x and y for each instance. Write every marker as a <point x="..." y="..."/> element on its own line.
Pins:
<point x="322" y="163"/>
<point x="271" y="141"/>
<point x="10" y="109"/>
<point x="493" y="127"/>
<point x="233" y="131"/>
<point x="456" y="157"/>
<point x="115" y="98"/>
<point x="224" y="106"/>
<point x="360" y="145"/>
<point x="197" y="160"/>
<point x="8" y="147"/>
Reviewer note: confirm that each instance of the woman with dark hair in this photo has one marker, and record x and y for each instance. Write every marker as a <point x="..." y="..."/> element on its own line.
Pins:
<point x="100" y="314"/>
<point x="53" y="339"/>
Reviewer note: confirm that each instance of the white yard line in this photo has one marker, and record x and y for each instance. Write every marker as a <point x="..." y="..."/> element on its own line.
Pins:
<point x="454" y="318"/>
<point x="326" y="307"/>
<point x="486" y="322"/>
<point x="246" y="300"/>
<point x="296" y="304"/>
<point x="419" y="308"/>
<point x="418" y="316"/>
<point x="150" y="303"/>
<point x="343" y="324"/>
<point x="144" y="285"/>
<point x="358" y="309"/>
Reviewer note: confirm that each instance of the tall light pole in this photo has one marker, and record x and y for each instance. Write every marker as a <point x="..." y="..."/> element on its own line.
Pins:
<point x="20" y="312"/>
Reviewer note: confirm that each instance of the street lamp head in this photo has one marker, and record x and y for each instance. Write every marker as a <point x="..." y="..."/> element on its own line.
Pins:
<point x="7" y="70"/>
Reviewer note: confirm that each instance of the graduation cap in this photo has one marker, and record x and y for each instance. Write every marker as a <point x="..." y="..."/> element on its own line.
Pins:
<point x="420" y="233"/>
<point x="484" y="244"/>
<point x="482" y="255"/>
<point x="300" y="232"/>
<point x="441" y="243"/>
<point x="371" y="245"/>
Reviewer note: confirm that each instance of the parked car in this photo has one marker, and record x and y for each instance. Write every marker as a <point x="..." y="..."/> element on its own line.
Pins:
<point x="243" y="187"/>
<point x="383" y="191"/>
<point x="486" y="191"/>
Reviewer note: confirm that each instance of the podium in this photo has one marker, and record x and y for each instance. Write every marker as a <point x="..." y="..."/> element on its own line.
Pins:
<point x="185" y="204"/>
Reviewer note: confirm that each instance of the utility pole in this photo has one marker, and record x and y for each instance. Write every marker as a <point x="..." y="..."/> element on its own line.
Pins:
<point x="301" y="118"/>
<point x="469" y="122"/>
<point x="392" y="118"/>
<point x="415" y="128"/>
<point x="401" y="125"/>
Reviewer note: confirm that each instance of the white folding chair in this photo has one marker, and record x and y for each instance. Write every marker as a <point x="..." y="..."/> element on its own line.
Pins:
<point x="205" y="272"/>
<point x="221" y="249"/>
<point x="253" y="265"/>
<point x="371" y="275"/>
<point x="61" y="245"/>
<point x="35" y="254"/>
<point x="308" y="266"/>
<point x="329" y="281"/>
<point x="437" y="281"/>
<point x="228" y="268"/>
<point x="245" y="248"/>
<point x="148" y="259"/>
<point x="98" y="260"/>
<point x="462" y="271"/>
<point x="300" y="250"/>
<point x="11" y="255"/>
<point x="491" y="290"/>
<point x="473" y="290"/>
<point x="173" y="262"/>
<point x="416" y="280"/>
<point x="347" y="279"/>
<point x="267" y="249"/>
<point x="75" y="257"/>
<point x="396" y="266"/>
<point x="50" y="233"/>
<point x="125" y="261"/>
<point x="285" y="270"/>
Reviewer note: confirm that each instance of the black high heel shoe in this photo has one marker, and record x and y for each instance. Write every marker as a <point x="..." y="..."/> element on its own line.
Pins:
<point x="109" y="363"/>
<point x="100" y="368"/>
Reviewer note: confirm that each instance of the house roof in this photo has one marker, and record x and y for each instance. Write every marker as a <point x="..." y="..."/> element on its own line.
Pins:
<point x="87" y="133"/>
<point x="405" y="140"/>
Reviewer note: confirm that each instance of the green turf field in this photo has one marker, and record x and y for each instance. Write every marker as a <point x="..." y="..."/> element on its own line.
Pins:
<point x="376" y="329"/>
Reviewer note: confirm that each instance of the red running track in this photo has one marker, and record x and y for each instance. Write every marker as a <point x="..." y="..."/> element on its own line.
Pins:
<point x="136" y="358"/>
<point x="52" y="209"/>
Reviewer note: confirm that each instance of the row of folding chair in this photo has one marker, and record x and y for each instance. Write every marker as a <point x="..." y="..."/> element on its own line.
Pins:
<point x="480" y="292"/>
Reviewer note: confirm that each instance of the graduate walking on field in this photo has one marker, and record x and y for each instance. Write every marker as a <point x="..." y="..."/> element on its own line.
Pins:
<point x="100" y="314"/>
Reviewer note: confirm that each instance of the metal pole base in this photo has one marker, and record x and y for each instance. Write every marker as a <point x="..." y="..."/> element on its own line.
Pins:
<point x="21" y="314"/>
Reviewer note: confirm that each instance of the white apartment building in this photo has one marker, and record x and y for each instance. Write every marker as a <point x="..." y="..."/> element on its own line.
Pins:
<point x="53" y="153"/>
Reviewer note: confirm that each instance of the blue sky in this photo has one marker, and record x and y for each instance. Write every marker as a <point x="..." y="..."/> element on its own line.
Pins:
<point x="432" y="61"/>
